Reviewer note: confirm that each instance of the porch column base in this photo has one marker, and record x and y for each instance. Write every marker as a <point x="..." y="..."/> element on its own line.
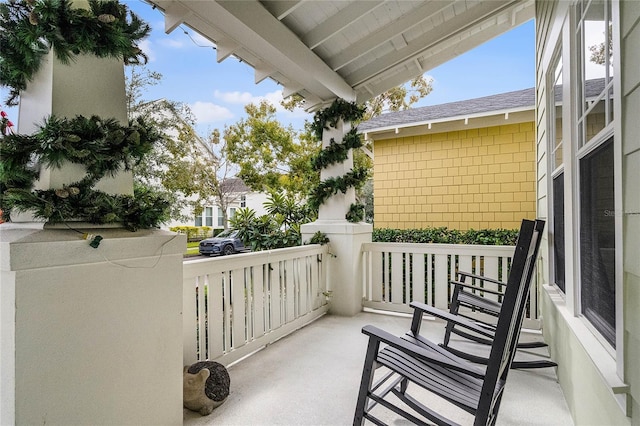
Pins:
<point x="90" y="335"/>
<point x="345" y="265"/>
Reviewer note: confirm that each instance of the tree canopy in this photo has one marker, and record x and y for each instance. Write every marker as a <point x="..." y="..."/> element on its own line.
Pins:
<point x="271" y="157"/>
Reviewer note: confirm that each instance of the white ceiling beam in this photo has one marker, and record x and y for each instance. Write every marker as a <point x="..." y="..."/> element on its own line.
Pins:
<point x="262" y="71"/>
<point x="462" y="23"/>
<point x="174" y="16"/>
<point x="261" y="33"/>
<point x="225" y="48"/>
<point x="391" y="30"/>
<point x="425" y="62"/>
<point x="282" y="8"/>
<point x="338" y="22"/>
<point x="399" y="42"/>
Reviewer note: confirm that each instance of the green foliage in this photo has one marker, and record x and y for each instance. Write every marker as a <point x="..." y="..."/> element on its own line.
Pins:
<point x="337" y="152"/>
<point x="103" y="147"/>
<point x="29" y="29"/>
<point x="288" y="210"/>
<point x="270" y="156"/>
<point x="354" y="178"/>
<point x="193" y="233"/>
<point x="319" y="238"/>
<point x="329" y="117"/>
<point x="446" y="236"/>
<point x="145" y="209"/>
<point x="277" y="229"/>
<point x="264" y="232"/>
<point x="355" y="213"/>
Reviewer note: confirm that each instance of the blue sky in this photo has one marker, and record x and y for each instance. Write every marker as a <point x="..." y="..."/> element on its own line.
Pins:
<point x="217" y="92"/>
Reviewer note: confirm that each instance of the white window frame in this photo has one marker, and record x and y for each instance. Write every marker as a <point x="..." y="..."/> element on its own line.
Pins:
<point x="610" y="363"/>
<point x="571" y="158"/>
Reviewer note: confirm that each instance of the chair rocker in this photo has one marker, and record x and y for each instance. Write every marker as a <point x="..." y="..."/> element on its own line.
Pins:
<point x="464" y="297"/>
<point x="414" y="360"/>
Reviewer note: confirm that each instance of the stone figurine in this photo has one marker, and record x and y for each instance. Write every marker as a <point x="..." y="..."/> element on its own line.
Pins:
<point x="205" y="386"/>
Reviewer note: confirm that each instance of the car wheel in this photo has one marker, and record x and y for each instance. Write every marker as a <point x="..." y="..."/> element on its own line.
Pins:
<point x="227" y="250"/>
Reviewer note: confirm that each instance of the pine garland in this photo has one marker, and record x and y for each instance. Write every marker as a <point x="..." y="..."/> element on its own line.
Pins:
<point x="337" y="153"/>
<point x="355" y="213"/>
<point x="30" y="28"/>
<point x="327" y="188"/>
<point x="104" y="147"/>
<point x="329" y="117"/>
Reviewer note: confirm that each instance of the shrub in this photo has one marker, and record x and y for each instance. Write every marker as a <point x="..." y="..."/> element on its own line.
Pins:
<point x="193" y="233"/>
<point x="446" y="236"/>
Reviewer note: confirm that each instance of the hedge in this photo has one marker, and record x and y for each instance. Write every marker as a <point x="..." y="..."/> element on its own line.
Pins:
<point x="446" y="236"/>
<point x="193" y="233"/>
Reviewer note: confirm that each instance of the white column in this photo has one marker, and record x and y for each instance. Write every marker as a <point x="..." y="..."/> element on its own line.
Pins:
<point x="87" y="86"/>
<point x="89" y="335"/>
<point x="346" y="238"/>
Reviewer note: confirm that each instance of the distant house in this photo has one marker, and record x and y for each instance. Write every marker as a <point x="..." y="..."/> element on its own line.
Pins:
<point x="240" y="196"/>
<point x="237" y="194"/>
<point x="464" y="165"/>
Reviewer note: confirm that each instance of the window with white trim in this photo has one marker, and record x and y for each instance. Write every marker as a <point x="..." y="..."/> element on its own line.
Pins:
<point x="557" y="234"/>
<point x="595" y="162"/>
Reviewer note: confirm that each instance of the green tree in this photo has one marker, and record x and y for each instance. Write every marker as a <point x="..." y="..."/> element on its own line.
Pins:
<point x="190" y="170"/>
<point x="271" y="157"/>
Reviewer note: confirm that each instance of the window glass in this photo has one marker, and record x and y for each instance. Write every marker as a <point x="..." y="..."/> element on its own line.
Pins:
<point x="198" y="221"/>
<point x="220" y="218"/>
<point x="208" y="213"/>
<point x="597" y="240"/>
<point x="595" y="57"/>
<point x="557" y="188"/>
<point x="556" y="113"/>
<point x="558" y="231"/>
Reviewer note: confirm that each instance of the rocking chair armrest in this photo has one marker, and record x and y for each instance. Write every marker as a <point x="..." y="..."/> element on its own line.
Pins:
<point x="480" y="277"/>
<point x="421" y="353"/>
<point x="456" y="319"/>
<point x="474" y="287"/>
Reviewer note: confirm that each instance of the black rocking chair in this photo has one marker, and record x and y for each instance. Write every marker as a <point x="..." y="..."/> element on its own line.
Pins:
<point x="414" y="359"/>
<point x="468" y="295"/>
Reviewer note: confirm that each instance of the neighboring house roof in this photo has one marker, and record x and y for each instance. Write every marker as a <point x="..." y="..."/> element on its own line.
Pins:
<point x="503" y="103"/>
<point x="235" y="185"/>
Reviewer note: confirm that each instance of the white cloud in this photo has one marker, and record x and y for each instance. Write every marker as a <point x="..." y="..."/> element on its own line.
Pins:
<point x="208" y="112"/>
<point x="174" y="44"/>
<point x="244" y="98"/>
<point x="147" y="49"/>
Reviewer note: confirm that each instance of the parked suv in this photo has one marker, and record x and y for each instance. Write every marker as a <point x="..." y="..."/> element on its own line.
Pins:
<point x="225" y="243"/>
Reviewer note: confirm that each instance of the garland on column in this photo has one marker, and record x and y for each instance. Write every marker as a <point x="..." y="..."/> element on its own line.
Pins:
<point x="336" y="153"/>
<point x="28" y="30"/>
<point x="104" y="148"/>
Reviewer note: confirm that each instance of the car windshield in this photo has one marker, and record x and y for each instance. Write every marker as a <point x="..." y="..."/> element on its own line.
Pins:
<point x="229" y="233"/>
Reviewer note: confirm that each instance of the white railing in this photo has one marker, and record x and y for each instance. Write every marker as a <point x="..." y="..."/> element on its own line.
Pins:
<point x="394" y="274"/>
<point x="235" y="305"/>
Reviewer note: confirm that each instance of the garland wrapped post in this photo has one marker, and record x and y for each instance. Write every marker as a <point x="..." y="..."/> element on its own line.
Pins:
<point x="337" y="152"/>
<point x="30" y="28"/>
<point x="104" y="147"/>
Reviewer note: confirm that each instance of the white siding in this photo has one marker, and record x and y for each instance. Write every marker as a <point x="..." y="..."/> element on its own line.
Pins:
<point x="630" y="40"/>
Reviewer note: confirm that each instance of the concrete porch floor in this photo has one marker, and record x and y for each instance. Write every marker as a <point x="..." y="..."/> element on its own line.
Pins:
<point x="312" y="376"/>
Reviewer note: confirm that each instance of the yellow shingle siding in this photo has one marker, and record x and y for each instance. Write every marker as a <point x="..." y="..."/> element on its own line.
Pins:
<point x="471" y="179"/>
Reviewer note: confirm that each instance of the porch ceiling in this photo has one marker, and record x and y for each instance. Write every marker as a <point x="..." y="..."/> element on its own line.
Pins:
<point x="353" y="49"/>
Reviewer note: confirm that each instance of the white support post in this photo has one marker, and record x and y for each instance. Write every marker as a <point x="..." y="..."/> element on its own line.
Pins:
<point x="88" y="335"/>
<point x="346" y="238"/>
